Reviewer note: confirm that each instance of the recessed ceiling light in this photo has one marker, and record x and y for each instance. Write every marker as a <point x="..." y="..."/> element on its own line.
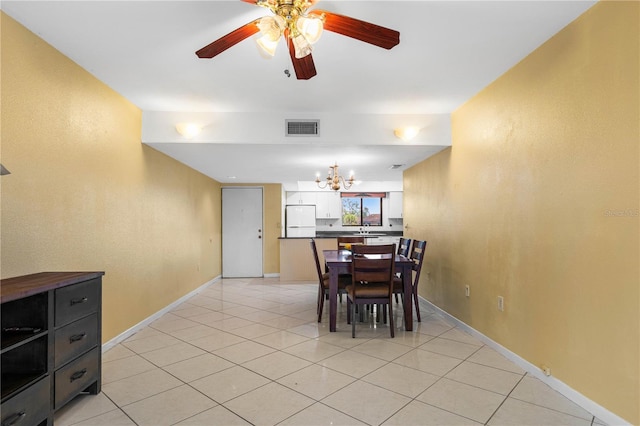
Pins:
<point x="232" y="177"/>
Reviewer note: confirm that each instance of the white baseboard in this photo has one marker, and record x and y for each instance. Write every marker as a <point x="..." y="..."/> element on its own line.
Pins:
<point x="130" y="332"/>
<point x="274" y="275"/>
<point x="594" y="408"/>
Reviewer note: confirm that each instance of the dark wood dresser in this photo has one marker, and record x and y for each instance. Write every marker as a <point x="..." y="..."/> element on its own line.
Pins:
<point x="51" y="343"/>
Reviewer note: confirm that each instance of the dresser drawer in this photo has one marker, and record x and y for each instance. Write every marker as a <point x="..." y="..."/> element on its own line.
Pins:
<point x="76" y="301"/>
<point x="75" y="338"/>
<point x="75" y="377"/>
<point x="29" y="407"/>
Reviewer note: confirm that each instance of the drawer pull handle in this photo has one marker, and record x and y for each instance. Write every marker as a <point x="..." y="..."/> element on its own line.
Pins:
<point x="77" y="337"/>
<point x="15" y="418"/>
<point x="78" y="374"/>
<point x="79" y="300"/>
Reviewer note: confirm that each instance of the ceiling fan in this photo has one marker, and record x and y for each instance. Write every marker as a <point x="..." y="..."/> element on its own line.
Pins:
<point x="301" y="28"/>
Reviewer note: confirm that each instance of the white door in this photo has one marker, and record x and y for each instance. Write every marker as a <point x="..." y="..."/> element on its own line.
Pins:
<point x="242" y="232"/>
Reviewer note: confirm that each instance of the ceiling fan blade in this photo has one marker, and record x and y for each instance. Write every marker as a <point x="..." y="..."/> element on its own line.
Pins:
<point x="360" y="30"/>
<point x="304" y="67"/>
<point x="229" y="40"/>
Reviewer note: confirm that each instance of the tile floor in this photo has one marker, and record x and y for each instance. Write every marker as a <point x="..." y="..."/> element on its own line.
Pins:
<point x="250" y="351"/>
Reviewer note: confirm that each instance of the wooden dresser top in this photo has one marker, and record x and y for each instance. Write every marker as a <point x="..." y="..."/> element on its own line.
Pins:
<point x="28" y="285"/>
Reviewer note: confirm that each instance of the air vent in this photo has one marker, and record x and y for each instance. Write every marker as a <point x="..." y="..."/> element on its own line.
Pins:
<point x="395" y="166"/>
<point x="302" y="127"/>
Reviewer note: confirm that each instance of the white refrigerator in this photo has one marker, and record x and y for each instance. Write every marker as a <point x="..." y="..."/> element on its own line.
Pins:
<point x="300" y="221"/>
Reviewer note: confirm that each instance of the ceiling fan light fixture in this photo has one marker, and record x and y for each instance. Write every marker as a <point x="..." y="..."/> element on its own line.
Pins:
<point x="310" y="27"/>
<point x="271" y="26"/>
<point x="271" y="29"/>
<point x="267" y="45"/>
<point x="301" y="46"/>
<point x="301" y="28"/>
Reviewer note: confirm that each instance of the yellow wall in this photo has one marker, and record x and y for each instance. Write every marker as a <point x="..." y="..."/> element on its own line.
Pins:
<point x="272" y="204"/>
<point x="537" y="201"/>
<point x="85" y="194"/>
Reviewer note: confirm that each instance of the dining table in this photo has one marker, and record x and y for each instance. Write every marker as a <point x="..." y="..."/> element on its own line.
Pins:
<point x="339" y="262"/>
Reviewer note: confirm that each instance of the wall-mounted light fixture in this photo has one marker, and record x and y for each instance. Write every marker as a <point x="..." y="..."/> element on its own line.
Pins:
<point x="188" y="130"/>
<point x="406" y="133"/>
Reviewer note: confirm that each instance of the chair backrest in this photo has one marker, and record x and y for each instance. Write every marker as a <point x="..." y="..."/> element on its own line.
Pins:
<point x="349" y="240"/>
<point x="314" y="249"/>
<point x="417" y="256"/>
<point x="378" y="268"/>
<point x="404" y="246"/>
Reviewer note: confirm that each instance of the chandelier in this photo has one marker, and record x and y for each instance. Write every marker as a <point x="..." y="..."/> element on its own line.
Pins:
<point x="290" y="19"/>
<point x="334" y="179"/>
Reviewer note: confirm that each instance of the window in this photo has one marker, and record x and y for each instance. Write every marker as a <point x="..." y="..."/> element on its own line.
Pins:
<point x="358" y="211"/>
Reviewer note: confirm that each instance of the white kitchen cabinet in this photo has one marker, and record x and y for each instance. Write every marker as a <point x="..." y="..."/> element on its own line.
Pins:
<point x="328" y="205"/>
<point x="301" y="197"/>
<point x="395" y="205"/>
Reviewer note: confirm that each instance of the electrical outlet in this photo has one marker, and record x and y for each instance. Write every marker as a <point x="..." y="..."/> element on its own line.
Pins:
<point x="546" y="370"/>
<point x="467" y="291"/>
<point x="500" y="303"/>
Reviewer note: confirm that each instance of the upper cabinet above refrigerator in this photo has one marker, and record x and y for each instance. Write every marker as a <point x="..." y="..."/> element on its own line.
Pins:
<point x="301" y="198"/>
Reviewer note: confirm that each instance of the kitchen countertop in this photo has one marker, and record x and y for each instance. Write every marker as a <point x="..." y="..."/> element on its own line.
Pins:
<point x="334" y="234"/>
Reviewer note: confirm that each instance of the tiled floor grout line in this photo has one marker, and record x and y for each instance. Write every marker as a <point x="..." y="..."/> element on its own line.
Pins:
<point x="440" y="379"/>
<point x="505" y="399"/>
<point x="313" y="363"/>
<point x="258" y="305"/>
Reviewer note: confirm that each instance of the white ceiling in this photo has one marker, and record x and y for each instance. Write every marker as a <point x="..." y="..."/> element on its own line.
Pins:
<point x="448" y="51"/>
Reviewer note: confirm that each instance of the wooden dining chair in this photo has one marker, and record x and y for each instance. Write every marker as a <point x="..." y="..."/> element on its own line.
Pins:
<point x="404" y="245"/>
<point x="323" y="281"/>
<point x="417" y="256"/>
<point x="349" y="240"/>
<point x="372" y="280"/>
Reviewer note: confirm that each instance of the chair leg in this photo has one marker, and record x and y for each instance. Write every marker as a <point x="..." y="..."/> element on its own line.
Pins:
<point x="391" y="326"/>
<point x="320" y="303"/>
<point x="416" y="303"/>
<point x="353" y="322"/>
<point x="348" y="311"/>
